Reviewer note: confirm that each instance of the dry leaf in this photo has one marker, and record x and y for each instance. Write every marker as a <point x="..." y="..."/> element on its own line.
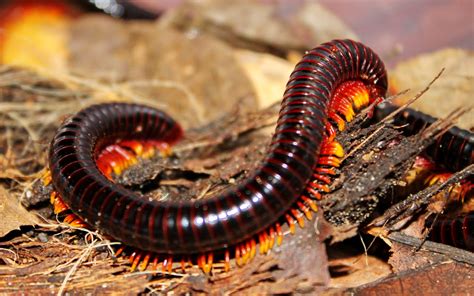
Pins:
<point x="445" y="279"/>
<point x="13" y="214"/>
<point x="196" y="78"/>
<point x="455" y="88"/>
<point x="270" y="26"/>
<point x="267" y="73"/>
<point x="357" y="270"/>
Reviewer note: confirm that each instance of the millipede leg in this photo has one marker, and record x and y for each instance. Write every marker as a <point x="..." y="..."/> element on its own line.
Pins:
<point x="128" y="157"/>
<point x="312" y="205"/>
<point x="167" y="264"/>
<point x="59" y="207"/>
<point x="170" y="264"/>
<point x="205" y="262"/>
<point x="46" y="178"/>
<point x="313" y="192"/>
<point x="148" y="151"/>
<point x="132" y="257"/>
<point x="263" y="243"/>
<point x="305" y="209"/>
<point x="330" y="131"/>
<point x="226" y="260"/>
<point x="119" y="251"/>
<point x="279" y="233"/>
<point x="291" y="223"/>
<point x="238" y="259"/>
<point x="298" y="216"/>
<point x="252" y="248"/>
<point x="330" y="161"/>
<point x="76" y="221"/>
<point x="271" y="233"/>
<point x="341" y="124"/>
<point x="246" y="252"/>
<point x="164" y="148"/>
<point x="145" y="261"/>
<point x="135" y="260"/>
<point x="320" y="187"/>
<point x="325" y="171"/>
<point x="207" y="265"/>
<point x="135" y="146"/>
<point x="155" y="263"/>
<point x="58" y="204"/>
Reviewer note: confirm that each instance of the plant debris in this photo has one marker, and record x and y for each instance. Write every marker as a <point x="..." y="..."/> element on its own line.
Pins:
<point x="210" y="159"/>
<point x="363" y="240"/>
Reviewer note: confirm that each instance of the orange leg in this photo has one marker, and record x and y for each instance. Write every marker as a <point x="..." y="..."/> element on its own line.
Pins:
<point x="227" y="260"/>
<point x="144" y="263"/>
<point x="57" y="202"/>
<point x="135" y="259"/>
<point x="291" y="223"/>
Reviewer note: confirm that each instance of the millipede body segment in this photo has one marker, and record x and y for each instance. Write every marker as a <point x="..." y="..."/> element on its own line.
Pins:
<point x="454" y="149"/>
<point x="238" y="214"/>
<point x="451" y="152"/>
<point x="456" y="231"/>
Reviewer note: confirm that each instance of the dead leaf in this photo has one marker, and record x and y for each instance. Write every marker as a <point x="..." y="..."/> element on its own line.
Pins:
<point x="267" y="73"/>
<point x="194" y="78"/>
<point x="403" y="258"/>
<point x="447" y="278"/>
<point x="278" y="27"/>
<point x="13" y="214"/>
<point x="303" y="255"/>
<point x="454" y="88"/>
<point x="357" y="270"/>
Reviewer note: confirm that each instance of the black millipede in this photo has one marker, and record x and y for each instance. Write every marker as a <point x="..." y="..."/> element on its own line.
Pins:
<point x="453" y="150"/>
<point x="319" y="88"/>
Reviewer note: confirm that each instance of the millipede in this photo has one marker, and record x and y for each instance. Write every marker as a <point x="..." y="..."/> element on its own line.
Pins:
<point x="451" y="152"/>
<point x="455" y="231"/>
<point x="326" y="89"/>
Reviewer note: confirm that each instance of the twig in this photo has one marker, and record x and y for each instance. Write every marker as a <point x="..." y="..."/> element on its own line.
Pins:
<point x="410" y="101"/>
<point x="451" y="252"/>
<point x="365" y="141"/>
<point x="414" y="203"/>
<point x="10" y="251"/>
<point x="85" y="253"/>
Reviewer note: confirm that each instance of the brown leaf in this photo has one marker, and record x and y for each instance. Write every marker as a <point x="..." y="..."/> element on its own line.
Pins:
<point x="453" y="89"/>
<point x="267" y="73"/>
<point x="446" y="279"/>
<point x="299" y="264"/>
<point x="277" y="27"/>
<point x="13" y="214"/>
<point x="357" y="270"/>
<point x="304" y="255"/>
<point x="195" y="78"/>
<point x="405" y="258"/>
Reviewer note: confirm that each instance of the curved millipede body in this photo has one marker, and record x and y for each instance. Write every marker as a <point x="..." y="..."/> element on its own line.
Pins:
<point x="458" y="231"/>
<point x="453" y="150"/>
<point x="190" y="227"/>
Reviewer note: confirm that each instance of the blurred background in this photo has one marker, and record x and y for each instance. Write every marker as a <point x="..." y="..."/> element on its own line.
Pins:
<point x="177" y="44"/>
<point x="400" y="27"/>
